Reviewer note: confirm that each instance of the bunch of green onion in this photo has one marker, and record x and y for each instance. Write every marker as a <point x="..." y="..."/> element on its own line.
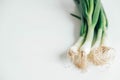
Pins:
<point x="91" y="45"/>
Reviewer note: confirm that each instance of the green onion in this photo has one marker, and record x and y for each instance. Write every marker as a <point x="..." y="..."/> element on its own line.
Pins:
<point x="93" y="35"/>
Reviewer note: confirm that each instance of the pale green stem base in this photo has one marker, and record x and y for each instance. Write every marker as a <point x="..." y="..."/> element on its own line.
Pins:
<point x="88" y="42"/>
<point x="98" y="40"/>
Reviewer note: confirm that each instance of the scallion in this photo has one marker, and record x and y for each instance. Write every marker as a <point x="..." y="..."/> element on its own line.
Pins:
<point x="91" y="43"/>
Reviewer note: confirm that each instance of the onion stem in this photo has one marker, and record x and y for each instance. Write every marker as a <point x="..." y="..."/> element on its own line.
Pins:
<point x="91" y="45"/>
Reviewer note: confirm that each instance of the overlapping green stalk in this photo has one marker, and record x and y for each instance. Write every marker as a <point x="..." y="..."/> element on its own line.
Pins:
<point x="91" y="44"/>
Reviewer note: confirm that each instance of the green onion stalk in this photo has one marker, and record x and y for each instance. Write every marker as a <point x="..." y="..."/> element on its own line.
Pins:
<point x="93" y="35"/>
<point x="100" y="53"/>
